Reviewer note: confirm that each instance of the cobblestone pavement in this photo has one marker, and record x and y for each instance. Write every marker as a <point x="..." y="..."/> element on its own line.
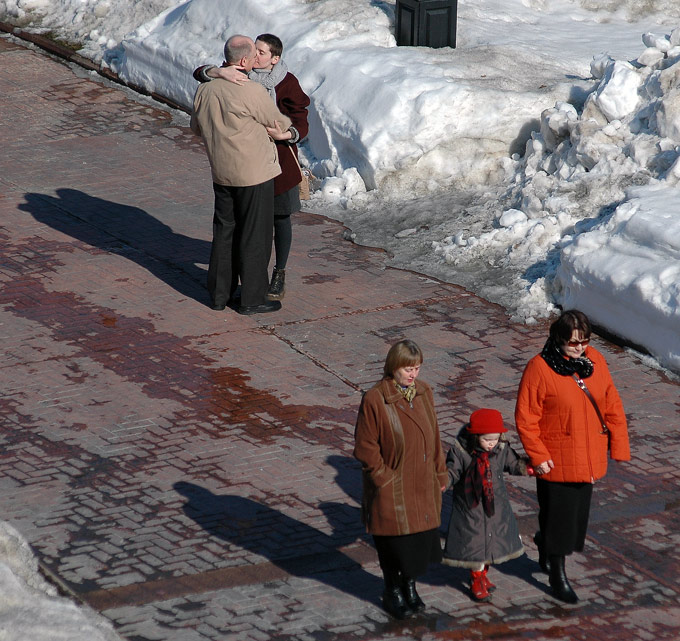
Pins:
<point x="188" y="473"/>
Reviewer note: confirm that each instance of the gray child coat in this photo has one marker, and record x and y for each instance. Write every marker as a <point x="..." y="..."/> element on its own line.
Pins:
<point x="473" y="537"/>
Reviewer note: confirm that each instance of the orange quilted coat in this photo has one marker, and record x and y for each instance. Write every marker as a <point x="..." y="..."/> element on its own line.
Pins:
<point x="556" y="420"/>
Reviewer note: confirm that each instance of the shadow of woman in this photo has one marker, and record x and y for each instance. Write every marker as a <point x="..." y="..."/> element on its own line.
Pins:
<point x="295" y="547"/>
<point x="128" y="231"/>
<point x="348" y="475"/>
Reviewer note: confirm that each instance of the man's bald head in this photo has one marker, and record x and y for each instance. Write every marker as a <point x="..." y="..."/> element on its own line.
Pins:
<point x="240" y="50"/>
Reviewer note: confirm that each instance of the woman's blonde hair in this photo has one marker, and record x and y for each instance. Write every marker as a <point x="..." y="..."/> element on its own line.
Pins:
<point x="405" y="353"/>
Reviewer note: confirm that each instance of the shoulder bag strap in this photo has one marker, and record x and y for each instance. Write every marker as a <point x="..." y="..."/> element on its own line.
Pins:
<point x="297" y="162"/>
<point x="582" y="385"/>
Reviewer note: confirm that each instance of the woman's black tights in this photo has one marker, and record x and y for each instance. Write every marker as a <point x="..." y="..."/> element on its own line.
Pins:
<point x="283" y="238"/>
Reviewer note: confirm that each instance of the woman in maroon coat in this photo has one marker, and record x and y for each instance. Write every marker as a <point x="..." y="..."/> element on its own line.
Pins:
<point x="404" y="474"/>
<point x="284" y="88"/>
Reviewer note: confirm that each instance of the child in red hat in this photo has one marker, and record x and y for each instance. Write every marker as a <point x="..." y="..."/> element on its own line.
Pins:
<point x="482" y="529"/>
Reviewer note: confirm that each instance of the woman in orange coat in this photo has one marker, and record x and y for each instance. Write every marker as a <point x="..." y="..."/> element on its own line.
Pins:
<point x="404" y="474"/>
<point x="566" y="439"/>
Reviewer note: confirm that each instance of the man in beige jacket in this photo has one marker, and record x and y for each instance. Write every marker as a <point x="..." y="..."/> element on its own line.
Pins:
<point x="236" y="123"/>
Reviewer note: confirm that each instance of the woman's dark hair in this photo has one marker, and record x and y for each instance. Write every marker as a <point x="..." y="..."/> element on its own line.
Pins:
<point x="572" y="320"/>
<point x="274" y="42"/>
<point x="402" y="354"/>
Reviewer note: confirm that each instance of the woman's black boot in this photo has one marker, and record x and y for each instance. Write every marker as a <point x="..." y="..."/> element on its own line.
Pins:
<point x="559" y="582"/>
<point x="543" y="560"/>
<point x="393" y="598"/>
<point x="277" y="287"/>
<point x="413" y="600"/>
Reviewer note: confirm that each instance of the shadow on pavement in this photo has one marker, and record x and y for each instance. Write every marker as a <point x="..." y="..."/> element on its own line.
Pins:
<point x="295" y="547"/>
<point x="348" y="475"/>
<point x="127" y="231"/>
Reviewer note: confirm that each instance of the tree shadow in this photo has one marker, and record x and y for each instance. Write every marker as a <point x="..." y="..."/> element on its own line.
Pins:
<point x="295" y="547"/>
<point x="128" y="231"/>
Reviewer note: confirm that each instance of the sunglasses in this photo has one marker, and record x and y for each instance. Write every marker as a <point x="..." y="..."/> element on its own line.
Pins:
<point x="584" y="342"/>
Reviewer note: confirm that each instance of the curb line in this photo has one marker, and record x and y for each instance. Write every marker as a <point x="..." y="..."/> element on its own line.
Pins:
<point x="71" y="56"/>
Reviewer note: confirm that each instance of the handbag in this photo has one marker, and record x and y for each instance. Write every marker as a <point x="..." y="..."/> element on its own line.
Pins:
<point x="581" y="383"/>
<point x="305" y="177"/>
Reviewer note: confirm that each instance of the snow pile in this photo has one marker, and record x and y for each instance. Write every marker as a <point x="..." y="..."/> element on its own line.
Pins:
<point x="574" y="191"/>
<point x="625" y="273"/>
<point x="96" y="25"/>
<point x="30" y="607"/>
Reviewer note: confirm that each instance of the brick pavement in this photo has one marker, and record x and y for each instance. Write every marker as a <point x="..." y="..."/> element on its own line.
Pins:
<point x="188" y="473"/>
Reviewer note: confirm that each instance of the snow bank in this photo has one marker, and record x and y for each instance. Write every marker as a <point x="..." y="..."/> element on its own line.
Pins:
<point x="574" y="192"/>
<point x="30" y="607"/>
<point x="96" y="24"/>
<point x="493" y="164"/>
<point x="625" y="273"/>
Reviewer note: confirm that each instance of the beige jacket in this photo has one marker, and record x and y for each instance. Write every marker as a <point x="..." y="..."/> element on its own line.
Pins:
<point x="231" y="119"/>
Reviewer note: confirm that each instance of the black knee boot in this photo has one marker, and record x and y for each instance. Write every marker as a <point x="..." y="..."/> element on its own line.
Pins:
<point x="559" y="582"/>
<point x="543" y="560"/>
<point x="413" y="600"/>
<point x="393" y="598"/>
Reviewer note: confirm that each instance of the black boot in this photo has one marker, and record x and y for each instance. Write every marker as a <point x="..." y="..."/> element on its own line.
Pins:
<point x="559" y="582"/>
<point x="413" y="600"/>
<point x="393" y="598"/>
<point x="543" y="559"/>
<point x="277" y="288"/>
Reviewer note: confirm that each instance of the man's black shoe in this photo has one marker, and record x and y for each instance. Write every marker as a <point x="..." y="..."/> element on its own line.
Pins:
<point x="267" y="306"/>
<point x="218" y="307"/>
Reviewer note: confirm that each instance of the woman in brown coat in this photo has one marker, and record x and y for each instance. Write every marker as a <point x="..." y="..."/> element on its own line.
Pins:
<point x="404" y="474"/>
<point x="567" y="439"/>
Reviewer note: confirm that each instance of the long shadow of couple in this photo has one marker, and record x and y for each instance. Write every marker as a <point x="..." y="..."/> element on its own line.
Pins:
<point x="127" y="231"/>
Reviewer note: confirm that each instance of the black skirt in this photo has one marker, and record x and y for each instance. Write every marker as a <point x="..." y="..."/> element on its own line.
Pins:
<point x="287" y="203"/>
<point x="563" y="512"/>
<point x="409" y="554"/>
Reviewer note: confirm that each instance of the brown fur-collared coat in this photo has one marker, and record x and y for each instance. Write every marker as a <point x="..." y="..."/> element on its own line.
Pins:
<point x="402" y="460"/>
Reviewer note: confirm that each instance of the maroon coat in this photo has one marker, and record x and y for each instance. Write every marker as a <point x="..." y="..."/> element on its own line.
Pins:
<point x="292" y="102"/>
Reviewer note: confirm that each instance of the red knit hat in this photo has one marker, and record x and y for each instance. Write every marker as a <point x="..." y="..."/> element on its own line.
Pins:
<point x="486" y="421"/>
